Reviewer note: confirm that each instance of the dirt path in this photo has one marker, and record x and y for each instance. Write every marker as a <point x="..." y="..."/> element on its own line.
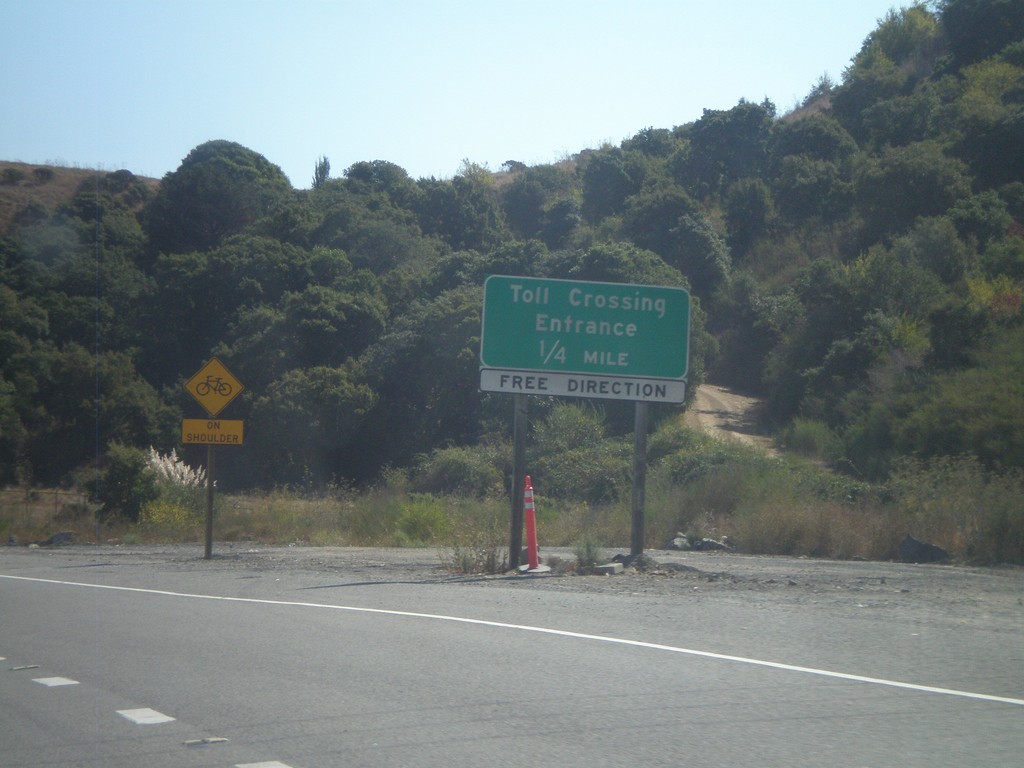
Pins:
<point x="723" y="412"/>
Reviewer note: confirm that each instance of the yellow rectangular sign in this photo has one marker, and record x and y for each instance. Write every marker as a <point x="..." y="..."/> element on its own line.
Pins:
<point x="211" y="431"/>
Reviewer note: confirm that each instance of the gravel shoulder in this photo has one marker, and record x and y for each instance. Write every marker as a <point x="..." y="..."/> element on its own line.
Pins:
<point x="962" y="595"/>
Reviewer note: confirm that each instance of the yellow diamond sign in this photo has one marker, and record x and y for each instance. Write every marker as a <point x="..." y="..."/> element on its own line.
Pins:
<point x="214" y="386"/>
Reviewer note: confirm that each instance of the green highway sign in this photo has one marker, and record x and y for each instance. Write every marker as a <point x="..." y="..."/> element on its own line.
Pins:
<point x="571" y="326"/>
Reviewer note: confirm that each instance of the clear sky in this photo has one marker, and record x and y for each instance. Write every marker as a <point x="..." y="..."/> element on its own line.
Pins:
<point x="137" y="84"/>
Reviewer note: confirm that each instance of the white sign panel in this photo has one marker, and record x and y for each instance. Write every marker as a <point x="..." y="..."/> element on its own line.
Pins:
<point x="581" y="385"/>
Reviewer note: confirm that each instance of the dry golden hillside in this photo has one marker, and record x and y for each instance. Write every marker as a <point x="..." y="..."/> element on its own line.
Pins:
<point x="28" y="190"/>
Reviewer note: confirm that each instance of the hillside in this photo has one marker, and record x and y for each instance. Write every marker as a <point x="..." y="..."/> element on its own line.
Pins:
<point x="29" y="192"/>
<point x="857" y="263"/>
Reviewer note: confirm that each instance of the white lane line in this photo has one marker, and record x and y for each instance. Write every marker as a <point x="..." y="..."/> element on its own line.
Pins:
<point x="145" y="716"/>
<point x="54" y="682"/>
<point x="547" y="631"/>
<point x="269" y="764"/>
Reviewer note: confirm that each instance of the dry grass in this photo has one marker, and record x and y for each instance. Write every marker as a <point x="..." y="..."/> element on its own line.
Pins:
<point x="30" y="515"/>
<point x="764" y="505"/>
<point x="280" y="518"/>
<point x="23" y="185"/>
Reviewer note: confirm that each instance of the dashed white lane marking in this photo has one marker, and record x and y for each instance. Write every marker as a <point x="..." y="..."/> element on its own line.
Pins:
<point x="54" y="682"/>
<point x="546" y="631"/>
<point x="270" y="764"/>
<point x="145" y="716"/>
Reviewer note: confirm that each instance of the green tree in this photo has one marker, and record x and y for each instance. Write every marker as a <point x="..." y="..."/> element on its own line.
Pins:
<point x="125" y="483"/>
<point x="610" y="176"/>
<point x="981" y="219"/>
<point x="317" y="326"/>
<point x="975" y="411"/>
<point x="652" y="216"/>
<point x="425" y="371"/>
<point x="977" y="29"/>
<point x="727" y="145"/>
<point x="573" y="458"/>
<point x="903" y="183"/>
<point x="934" y="244"/>
<point x="523" y="203"/>
<point x="666" y="221"/>
<point x="990" y="117"/>
<point x="562" y="217"/>
<point x="322" y="172"/>
<point x="380" y="177"/>
<point x="614" y="263"/>
<point x="808" y="188"/>
<point x="656" y="142"/>
<point x="328" y="324"/>
<point x="13" y="434"/>
<point x="203" y="294"/>
<point x="471" y="268"/>
<point x="842" y="319"/>
<point x="751" y="322"/>
<point x="22" y="323"/>
<point x="384" y="245"/>
<point x="864" y="85"/>
<point x="909" y="37"/>
<point x="463" y="212"/>
<point x="818" y="136"/>
<point x="701" y="254"/>
<point x="314" y="415"/>
<point x="873" y="102"/>
<point x="219" y="189"/>
<point x="903" y="120"/>
<point x="71" y="400"/>
<point x="540" y="202"/>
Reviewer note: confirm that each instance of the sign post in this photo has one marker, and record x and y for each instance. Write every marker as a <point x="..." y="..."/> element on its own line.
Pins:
<point x="213" y="386"/>
<point x="575" y="338"/>
<point x="519" y="428"/>
<point x="636" y="537"/>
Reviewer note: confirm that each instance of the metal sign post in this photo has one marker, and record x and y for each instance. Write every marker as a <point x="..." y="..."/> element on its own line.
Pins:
<point x="636" y="536"/>
<point x="208" y="548"/>
<point x="519" y="429"/>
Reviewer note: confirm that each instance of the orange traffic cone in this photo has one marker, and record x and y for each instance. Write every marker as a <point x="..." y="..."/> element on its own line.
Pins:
<point x="531" y="524"/>
<point x="530" y="511"/>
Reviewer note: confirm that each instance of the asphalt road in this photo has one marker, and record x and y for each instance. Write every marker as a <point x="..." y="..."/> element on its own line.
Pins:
<point x="274" y="658"/>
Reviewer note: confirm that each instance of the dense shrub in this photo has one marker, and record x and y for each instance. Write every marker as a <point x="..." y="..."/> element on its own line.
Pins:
<point x="811" y="438"/>
<point x="124" y="483"/>
<point x="573" y="459"/>
<point x="465" y="470"/>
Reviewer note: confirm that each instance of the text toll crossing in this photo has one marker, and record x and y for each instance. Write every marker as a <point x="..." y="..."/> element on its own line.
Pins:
<point x="578" y="297"/>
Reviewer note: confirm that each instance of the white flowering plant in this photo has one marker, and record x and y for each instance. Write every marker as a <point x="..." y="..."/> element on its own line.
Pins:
<point x="181" y="491"/>
<point x="171" y="470"/>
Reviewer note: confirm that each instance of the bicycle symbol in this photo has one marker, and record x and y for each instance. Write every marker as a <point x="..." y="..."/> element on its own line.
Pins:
<point x="215" y="385"/>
